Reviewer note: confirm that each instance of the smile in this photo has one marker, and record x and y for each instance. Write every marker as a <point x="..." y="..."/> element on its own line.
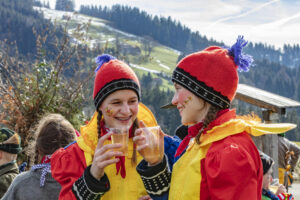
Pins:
<point x="123" y="118"/>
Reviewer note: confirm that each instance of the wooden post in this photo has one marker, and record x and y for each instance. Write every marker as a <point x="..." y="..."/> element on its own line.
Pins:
<point x="270" y="142"/>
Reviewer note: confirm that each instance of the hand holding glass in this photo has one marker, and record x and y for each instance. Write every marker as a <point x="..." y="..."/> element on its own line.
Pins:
<point x="154" y="150"/>
<point x="120" y="136"/>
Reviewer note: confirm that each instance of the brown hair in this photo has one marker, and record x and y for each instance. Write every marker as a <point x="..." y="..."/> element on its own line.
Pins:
<point x="53" y="132"/>
<point x="135" y="126"/>
<point x="210" y="116"/>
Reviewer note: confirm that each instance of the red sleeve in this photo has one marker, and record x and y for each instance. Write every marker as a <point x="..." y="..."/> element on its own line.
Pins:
<point x="67" y="165"/>
<point x="232" y="173"/>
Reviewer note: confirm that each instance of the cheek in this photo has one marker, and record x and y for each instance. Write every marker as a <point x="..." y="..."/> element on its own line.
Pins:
<point x="109" y="111"/>
<point x="184" y="98"/>
<point x="134" y="109"/>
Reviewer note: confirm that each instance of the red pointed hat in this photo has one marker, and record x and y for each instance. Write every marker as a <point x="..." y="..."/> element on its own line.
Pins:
<point x="113" y="75"/>
<point x="212" y="74"/>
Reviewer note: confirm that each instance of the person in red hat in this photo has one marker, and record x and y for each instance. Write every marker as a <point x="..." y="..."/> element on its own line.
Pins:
<point x="92" y="168"/>
<point x="218" y="159"/>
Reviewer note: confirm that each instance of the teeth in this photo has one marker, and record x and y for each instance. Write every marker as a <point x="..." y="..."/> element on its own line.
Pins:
<point x="124" y="119"/>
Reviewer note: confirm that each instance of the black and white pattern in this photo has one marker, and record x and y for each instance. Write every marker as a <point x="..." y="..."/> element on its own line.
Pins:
<point x="114" y="86"/>
<point x="200" y="88"/>
<point x="88" y="188"/>
<point x="156" y="178"/>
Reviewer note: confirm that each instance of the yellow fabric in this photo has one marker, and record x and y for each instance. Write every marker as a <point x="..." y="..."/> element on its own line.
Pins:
<point x="281" y="175"/>
<point x="236" y="126"/>
<point x="132" y="186"/>
<point x="281" y="172"/>
<point x="189" y="162"/>
<point x="186" y="174"/>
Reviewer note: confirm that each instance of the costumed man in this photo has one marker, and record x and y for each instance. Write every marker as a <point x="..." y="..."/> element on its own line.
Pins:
<point x="10" y="146"/>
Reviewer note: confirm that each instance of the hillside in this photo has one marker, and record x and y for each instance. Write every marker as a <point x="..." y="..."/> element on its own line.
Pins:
<point x="160" y="61"/>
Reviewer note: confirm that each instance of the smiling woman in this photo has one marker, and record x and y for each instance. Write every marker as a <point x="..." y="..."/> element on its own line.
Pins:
<point x="95" y="167"/>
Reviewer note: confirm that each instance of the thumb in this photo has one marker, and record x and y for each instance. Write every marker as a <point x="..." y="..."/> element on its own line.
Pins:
<point x="142" y="124"/>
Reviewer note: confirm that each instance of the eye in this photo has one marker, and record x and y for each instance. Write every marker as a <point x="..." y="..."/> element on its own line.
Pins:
<point x="116" y="103"/>
<point x="133" y="101"/>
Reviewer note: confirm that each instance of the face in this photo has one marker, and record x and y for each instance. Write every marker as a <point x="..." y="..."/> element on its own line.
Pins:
<point x="120" y="108"/>
<point x="267" y="179"/>
<point x="192" y="109"/>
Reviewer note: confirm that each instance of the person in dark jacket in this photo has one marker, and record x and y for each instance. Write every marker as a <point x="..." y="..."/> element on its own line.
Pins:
<point x="9" y="148"/>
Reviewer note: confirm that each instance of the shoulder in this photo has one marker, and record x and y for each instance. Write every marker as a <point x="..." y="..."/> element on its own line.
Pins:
<point x="21" y="179"/>
<point x="68" y="160"/>
<point x="233" y="150"/>
<point x="70" y="152"/>
<point x="240" y="141"/>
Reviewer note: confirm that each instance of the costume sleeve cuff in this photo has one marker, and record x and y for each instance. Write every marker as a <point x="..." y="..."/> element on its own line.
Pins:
<point x="87" y="187"/>
<point x="156" y="178"/>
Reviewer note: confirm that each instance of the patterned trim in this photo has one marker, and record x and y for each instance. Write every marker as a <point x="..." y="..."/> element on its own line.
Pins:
<point x="158" y="184"/>
<point x="200" y="88"/>
<point x="156" y="178"/>
<point x="114" y="86"/>
<point x="82" y="191"/>
<point x="87" y="187"/>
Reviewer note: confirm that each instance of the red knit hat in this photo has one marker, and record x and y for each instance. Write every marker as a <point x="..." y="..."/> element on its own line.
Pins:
<point x="211" y="74"/>
<point x="113" y="75"/>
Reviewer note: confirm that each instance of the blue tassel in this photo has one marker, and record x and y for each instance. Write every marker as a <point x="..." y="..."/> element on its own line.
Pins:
<point x="104" y="58"/>
<point x="243" y="61"/>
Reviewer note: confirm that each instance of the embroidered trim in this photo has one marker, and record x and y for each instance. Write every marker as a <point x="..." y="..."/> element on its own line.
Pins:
<point x="114" y="86"/>
<point x="200" y="88"/>
<point x="158" y="183"/>
<point x="82" y="191"/>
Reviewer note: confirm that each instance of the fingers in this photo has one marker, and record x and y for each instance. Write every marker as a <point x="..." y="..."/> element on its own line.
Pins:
<point x="145" y="198"/>
<point x="107" y="147"/>
<point x="103" y="164"/>
<point x="141" y="147"/>
<point x="102" y="140"/>
<point x="139" y="140"/>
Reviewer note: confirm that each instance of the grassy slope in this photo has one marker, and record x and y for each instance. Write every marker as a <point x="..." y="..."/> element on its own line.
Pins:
<point x="100" y="30"/>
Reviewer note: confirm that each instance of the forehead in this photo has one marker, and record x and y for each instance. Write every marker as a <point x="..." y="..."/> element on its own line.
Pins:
<point x="122" y="95"/>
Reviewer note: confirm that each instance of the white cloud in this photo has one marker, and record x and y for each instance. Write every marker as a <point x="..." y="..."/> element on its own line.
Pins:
<point x="269" y="21"/>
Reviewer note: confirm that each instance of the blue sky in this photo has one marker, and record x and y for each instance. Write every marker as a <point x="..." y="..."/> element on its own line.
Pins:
<point x="274" y="22"/>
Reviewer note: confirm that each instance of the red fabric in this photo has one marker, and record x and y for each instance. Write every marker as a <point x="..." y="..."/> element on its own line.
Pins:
<point x="220" y="182"/>
<point x="194" y="130"/>
<point x="120" y="166"/>
<point x="112" y="70"/>
<point x="46" y="159"/>
<point x="67" y="165"/>
<point x="215" y="68"/>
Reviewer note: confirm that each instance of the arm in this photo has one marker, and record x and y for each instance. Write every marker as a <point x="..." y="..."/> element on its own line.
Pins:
<point x="5" y="182"/>
<point x="170" y="145"/>
<point x="231" y="173"/>
<point x="156" y="178"/>
<point x="11" y="192"/>
<point x="90" y="183"/>
<point x="76" y="181"/>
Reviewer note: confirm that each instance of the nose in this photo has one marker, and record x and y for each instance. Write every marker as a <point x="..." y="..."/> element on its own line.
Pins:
<point x="125" y="108"/>
<point x="175" y="99"/>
